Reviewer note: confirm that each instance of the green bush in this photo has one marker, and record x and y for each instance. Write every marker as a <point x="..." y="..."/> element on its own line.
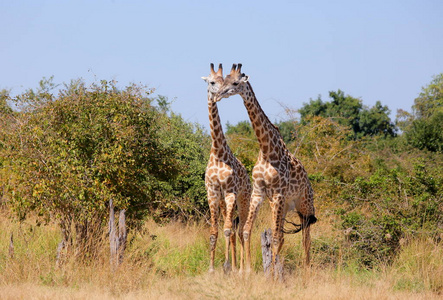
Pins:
<point x="64" y="157"/>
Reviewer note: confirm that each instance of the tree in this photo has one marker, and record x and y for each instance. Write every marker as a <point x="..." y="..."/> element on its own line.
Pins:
<point x="427" y="133"/>
<point x="376" y="121"/>
<point x="71" y="154"/>
<point x="350" y="111"/>
<point x="5" y="108"/>
<point x="6" y="120"/>
<point x="424" y="127"/>
<point x="430" y="100"/>
<point x="242" y="127"/>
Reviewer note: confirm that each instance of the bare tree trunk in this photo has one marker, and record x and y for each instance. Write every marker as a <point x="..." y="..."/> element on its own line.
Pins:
<point x="63" y="245"/>
<point x="266" y="250"/>
<point x="60" y="247"/>
<point x="113" y="242"/>
<point x="117" y="243"/>
<point x="122" y="235"/>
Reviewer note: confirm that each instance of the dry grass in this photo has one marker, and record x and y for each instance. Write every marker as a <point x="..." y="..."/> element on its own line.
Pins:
<point x="317" y="285"/>
<point x="171" y="261"/>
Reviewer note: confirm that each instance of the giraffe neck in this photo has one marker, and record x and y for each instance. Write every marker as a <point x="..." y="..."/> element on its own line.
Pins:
<point x="219" y="144"/>
<point x="267" y="134"/>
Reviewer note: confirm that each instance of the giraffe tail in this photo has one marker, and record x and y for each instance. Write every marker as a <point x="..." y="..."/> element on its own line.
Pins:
<point x="235" y="223"/>
<point x="299" y="227"/>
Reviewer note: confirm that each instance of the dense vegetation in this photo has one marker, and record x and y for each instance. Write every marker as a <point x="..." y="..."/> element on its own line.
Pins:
<point x="63" y="156"/>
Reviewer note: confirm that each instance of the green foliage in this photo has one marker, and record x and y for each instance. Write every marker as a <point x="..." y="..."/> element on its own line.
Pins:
<point x="329" y="151"/>
<point x="5" y="108"/>
<point x="185" y="194"/>
<point x="424" y="128"/>
<point x="244" y="143"/>
<point x="241" y="139"/>
<point x="287" y="130"/>
<point x="391" y="204"/>
<point x="242" y="128"/>
<point x="66" y="156"/>
<point x="6" y="118"/>
<point x="380" y="197"/>
<point x="376" y="121"/>
<point x="430" y="100"/>
<point x="427" y="133"/>
<point x="349" y="111"/>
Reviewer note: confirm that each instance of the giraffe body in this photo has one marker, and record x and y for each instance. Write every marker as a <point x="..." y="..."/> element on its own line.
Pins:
<point x="226" y="180"/>
<point x="277" y="174"/>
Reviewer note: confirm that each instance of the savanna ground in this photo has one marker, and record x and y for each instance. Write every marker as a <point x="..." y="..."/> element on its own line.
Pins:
<point x="171" y="262"/>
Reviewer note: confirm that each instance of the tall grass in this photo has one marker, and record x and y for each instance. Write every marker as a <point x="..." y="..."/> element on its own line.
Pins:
<point x="171" y="262"/>
<point x="419" y="266"/>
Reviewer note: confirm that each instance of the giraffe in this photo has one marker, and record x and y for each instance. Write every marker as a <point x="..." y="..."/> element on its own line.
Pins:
<point x="227" y="181"/>
<point x="277" y="174"/>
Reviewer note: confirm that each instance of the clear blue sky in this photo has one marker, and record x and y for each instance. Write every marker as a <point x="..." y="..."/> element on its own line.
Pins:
<point x="292" y="50"/>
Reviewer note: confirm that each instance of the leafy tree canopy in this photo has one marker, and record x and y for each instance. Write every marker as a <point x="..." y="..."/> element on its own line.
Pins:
<point x="430" y="100"/>
<point x="423" y="128"/>
<point x="349" y="111"/>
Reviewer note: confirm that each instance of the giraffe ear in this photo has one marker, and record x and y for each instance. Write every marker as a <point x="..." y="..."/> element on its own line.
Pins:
<point x="205" y="79"/>
<point x="244" y="78"/>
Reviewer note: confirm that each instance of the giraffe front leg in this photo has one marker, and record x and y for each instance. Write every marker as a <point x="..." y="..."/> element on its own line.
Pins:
<point x="230" y="200"/>
<point x="214" y="209"/>
<point x="243" y="210"/>
<point x="256" y="200"/>
<point x="277" y="206"/>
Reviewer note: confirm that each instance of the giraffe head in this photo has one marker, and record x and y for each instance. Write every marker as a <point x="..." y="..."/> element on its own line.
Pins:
<point x="214" y="80"/>
<point x="233" y="84"/>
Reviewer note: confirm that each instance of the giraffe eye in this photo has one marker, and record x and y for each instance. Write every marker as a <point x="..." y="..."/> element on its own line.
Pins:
<point x="235" y="83"/>
<point x="212" y="82"/>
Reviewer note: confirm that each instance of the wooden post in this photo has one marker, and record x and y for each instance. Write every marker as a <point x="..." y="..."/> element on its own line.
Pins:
<point x="59" y="257"/>
<point x="122" y="235"/>
<point x="117" y="243"/>
<point x="62" y="248"/>
<point x="266" y="250"/>
<point x="113" y="242"/>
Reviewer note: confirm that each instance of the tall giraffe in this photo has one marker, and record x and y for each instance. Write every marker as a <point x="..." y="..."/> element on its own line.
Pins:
<point x="277" y="174"/>
<point x="226" y="179"/>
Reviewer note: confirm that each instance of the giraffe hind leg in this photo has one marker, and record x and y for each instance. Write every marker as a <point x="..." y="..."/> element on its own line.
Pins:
<point x="239" y="222"/>
<point x="306" y="233"/>
<point x="277" y="236"/>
